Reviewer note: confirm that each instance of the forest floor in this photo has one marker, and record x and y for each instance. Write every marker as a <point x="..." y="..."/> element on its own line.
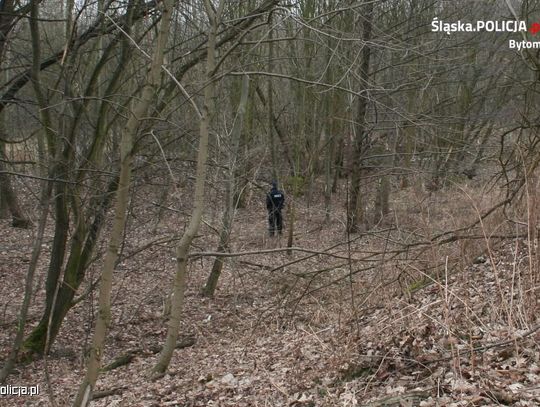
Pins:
<point x="370" y="323"/>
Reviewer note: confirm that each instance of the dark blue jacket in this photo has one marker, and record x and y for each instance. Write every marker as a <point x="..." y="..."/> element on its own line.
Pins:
<point x="275" y="199"/>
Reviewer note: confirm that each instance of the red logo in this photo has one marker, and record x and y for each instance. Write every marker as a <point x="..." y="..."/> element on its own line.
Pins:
<point x="534" y="28"/>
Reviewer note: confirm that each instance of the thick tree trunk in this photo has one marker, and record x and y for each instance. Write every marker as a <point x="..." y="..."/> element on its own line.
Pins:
<point x="82" y="246"/>
<point x="61" y="221"/>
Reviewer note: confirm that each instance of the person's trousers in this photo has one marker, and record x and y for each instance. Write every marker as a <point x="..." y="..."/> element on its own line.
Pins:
<point x="275" y="222"/>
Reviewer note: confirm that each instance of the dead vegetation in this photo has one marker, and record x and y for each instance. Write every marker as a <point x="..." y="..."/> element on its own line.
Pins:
<point x="435" y="306"/>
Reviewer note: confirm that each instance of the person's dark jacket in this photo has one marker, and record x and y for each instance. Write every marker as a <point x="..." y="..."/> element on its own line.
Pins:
<point x="275" y="200"/>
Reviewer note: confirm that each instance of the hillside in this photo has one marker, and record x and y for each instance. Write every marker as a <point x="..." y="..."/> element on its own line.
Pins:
<point x="331" y="325"/>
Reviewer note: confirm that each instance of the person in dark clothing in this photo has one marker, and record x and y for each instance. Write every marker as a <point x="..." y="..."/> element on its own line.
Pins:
<point x="275" y="200"/>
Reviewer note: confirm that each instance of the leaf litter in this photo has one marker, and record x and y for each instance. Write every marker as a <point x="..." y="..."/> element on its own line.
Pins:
<point x="280" y="333"/>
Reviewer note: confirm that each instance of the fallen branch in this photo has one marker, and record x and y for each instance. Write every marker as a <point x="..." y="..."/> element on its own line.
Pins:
<point x="413" y="398"/>
<point x="249" y="253"/>
<point x="128" y="357"/>
<point x="486" y="347"/>
<point x="106" y="393"/>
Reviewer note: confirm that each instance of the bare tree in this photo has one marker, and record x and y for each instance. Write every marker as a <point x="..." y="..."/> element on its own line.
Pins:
<point x="230" y="190"/>
<point x="148" y="93"/>
<point x="356" y="212"/>
<point x="182" y="250"/>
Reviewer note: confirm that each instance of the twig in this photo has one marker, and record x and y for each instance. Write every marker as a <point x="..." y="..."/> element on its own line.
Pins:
<point x="238" y="254"/>
<point x="489" y="346"/>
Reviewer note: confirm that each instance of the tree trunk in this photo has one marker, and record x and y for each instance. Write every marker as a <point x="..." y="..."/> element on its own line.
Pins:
<point x="328" y="177"/>
<point x="270" y="105"/>
<point x="382" y="198"/>
<point x="290" y="229"/>
<point x="7" y="17"/>
<point x="61" y="222"/>
<point x="89" y="222"/>
<point x="8" y="195"/>
<point x="356" y="220"/>
<point x="228" y="215"/>
<point x="84" y="395"/>
<point x="244" y="167"/>
<point x="338" y="164"/>
<point x="23" y="313"/>
<point x="382" y="205"/>
<point x="182" y="250"/>
<point x="277" y="130"/>
<point x="82" y="246"/>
